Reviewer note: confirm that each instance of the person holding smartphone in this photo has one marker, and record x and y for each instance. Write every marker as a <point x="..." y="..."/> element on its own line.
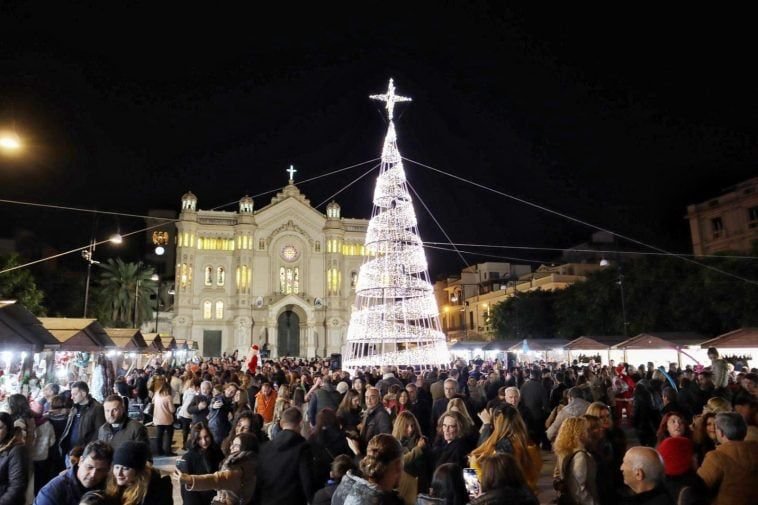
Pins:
<point x="202" y="457"/>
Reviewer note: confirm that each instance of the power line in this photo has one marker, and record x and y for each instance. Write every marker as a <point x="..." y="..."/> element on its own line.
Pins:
<point x="349" y="184"/>
<point x="580" y="221"/>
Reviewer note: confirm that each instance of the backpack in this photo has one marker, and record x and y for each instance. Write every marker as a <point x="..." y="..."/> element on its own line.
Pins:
<point x="561" y="486"/>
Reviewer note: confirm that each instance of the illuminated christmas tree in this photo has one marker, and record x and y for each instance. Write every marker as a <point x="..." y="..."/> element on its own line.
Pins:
<point x="395" y="320"/>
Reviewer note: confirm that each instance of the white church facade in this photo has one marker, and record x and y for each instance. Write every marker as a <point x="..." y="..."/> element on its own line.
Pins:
<point x="282" y="276"/>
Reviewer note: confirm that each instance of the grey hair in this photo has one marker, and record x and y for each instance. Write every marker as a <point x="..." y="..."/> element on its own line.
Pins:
<point x="732" y="425"/>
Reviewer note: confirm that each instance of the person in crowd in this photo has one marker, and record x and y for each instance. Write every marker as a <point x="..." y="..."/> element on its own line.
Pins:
<point x="133" y="480"/>
<point x="440" y="405"/>
<point x="503" y="481"/>
<point x="327" y="442"/>
<point x="14" y="462"/>
<point x="235" y="482"/>
<point x="671" y="404"/>
<point x="203" y="457"/>
<point x="326" y="397"/>
<point x="241" y="400"/>
<point x="337" y="470"/>
<point x="90" y="473"/>
<point x="75" y="455"/>
<point x="376" y="420"/>
<point x="388" y="379"/>
<point x="719" y="371"/>
<point x="199" y="406"/>
<point x="283" y="402"/>
<point x="118" y="428"/>
<point x="403" y="401"/>
<point x="458" y="405"/>
<point x="48" y="392"/>
<point x="704" y="435"/>
<point x="747" y="406"/>
<point x="575" y="466"/>
<point x="576" y="406"/>
<point x="221" y="410"/>
<point x="730" y="470"/>
<point x="535" y="401"/>
<point x="288" y="459"/>
<point x="163" y="419"/>
<point x="419" y="404"/>
<point x="406" y="429"/>
<point x="265" y="401"/>
<point x="349" y="411"/>
<point x="191" y="389"/>
<point x="176" y="389"/>
<point x="447" y="487"/>
<point x="717" y="405"/>
<point x="608" y="451"/>
<point x="382" y="468"/>
<point x="244" y="422"/>
<point x="504" y="431"/>
<point x="646" y="417"/>
<point x="643" y="474"/>
<point x="673" y="424"/>
<point x="84" y="419"/>
<point x="451" y="445"/>
<point x="44" y="444"/>
<point x="678" y="456"/>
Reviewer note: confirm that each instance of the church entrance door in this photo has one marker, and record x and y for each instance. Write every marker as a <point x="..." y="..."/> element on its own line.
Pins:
<point x="288" y="333"/>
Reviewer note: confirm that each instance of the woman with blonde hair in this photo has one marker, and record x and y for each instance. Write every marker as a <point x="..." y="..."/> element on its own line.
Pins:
<point x="508" y="435"/>
<point x="408" y="432"/>
<point x="133" y="480"/>
<point x="458" y="405"/>
<point x="608" y="452"/>
<point x="576" y="468"/>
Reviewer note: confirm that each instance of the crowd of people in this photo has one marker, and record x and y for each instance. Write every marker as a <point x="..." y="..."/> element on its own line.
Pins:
<point x="294" y="431"/>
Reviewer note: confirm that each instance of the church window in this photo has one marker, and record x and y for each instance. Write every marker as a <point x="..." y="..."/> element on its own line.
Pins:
<point x="220" y="276"/>
<point x="238" y="277"/>
<point x="333" y="279"/>
<point x="261" y="244"/>
<point x="209" y="275"/>
<point x="289" y="280"/>
<point x="207" y="309"/>
<point x="282" y="279"/>
<point x="219" y="310"/>
<point x="183" y="275"/>
<point x="318" y="246"/>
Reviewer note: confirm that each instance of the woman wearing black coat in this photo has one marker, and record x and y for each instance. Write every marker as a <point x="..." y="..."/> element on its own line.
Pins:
<point x="452" y="445"/>
<point x="202" y="457"/>
<point x="327" y="442"/>
<point x="14" y="463"/>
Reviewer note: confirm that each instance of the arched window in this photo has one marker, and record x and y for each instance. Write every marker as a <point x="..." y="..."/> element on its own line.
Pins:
<point x="261" y="244"/>
<point x="207" y="309"/>
<point x="353" y="279"/>
<point x="289" y="280"/>
<point x="209" y="275"/>
<point x="219" y="310"/>
<point x="220" y="276"/>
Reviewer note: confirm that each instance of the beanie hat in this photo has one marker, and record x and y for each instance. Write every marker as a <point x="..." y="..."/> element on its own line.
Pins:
<point x="132" y="455"/>
<point x="676" y="453"/>
<point x="342" y="387"/>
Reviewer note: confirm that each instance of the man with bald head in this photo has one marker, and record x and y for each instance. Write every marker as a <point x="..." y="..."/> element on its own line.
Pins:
<point x="642" y="469"/>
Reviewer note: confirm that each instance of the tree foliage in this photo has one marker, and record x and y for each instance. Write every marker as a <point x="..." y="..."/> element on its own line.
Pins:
<point x="19" y="285"/>
<point x="119" y="283"/>
<point x="660" y="294"/>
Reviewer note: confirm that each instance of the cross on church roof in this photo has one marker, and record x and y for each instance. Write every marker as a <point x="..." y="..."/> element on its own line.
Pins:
<point x="391" y="98"/>
<point x="292" y="173"/>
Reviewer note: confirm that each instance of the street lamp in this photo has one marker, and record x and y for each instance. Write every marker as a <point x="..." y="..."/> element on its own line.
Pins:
<point x="87" y="256"/>
<point x="157" y="278"/>
<point x="10" y="142"/>
<point x="620" y="281"/>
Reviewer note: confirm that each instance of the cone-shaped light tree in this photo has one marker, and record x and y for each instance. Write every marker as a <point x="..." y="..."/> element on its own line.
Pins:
<point x="395" y="320"/>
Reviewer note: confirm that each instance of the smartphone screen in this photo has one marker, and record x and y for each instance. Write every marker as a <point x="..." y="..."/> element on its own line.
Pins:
<point x="471" y="481"/>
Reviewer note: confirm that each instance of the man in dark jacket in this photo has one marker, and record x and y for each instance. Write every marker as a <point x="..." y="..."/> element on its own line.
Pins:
<point x="118" y="428"/>
<point x="88" y="475"/>
<point x="535" y="402"/>
<point x="199" y="406"/>
<point x="326" y="397"/>
<point x="84" y="419"/>
<point x="376" y="419"/>
<point x="284" y="465"/>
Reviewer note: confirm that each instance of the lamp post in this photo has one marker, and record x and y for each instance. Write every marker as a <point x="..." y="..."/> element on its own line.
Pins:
<point x="157" y="278"/>
<point x="620" y="281"/>
<point x="87" y="256"/>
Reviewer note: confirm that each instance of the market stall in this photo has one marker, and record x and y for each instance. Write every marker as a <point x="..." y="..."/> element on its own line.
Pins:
<point x="131" y="348"/>
<point x="594" y="348"/>
<point x="533" y="350"/>
<point x="738" y="347"/>
<point x="663" y="348"/>
<point x="23" y="361"/>
<point x="498" y="349"/>
<point x="468" y="349"/>
<point x="80" y="353"/>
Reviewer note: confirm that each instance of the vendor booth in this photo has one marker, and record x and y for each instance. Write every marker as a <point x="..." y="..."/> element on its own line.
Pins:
<point x="468" y="349"/>
<point x="599" y="349"/>
<point x="738" y="347"/>
<point x="80" y="353"/>
<point x="23" y="360"/>
<point x="498" y="349"/>
<point x="663" y="348"/>
<point x="533" y="350"/>
<point x="131" y="348"/>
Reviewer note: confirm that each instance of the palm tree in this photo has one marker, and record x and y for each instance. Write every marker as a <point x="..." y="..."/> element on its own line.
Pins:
<point x="118" y="285"/>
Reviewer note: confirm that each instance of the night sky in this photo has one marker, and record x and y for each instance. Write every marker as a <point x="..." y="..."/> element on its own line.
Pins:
<point x="618" y="117"/>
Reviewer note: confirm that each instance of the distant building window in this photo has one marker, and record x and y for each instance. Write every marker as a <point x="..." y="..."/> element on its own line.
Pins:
<point x="207" y="309"/>
<point x="209" y="276"/>
<point x="220" y="276"/>
<point x="318" y="246"/>
<point x="261" y="244"/>
<point x="717" y="226"/>
<point x="219" y="310"/>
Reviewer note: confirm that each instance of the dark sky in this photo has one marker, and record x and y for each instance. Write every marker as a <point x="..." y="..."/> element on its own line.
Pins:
<point x="618" y="117"/>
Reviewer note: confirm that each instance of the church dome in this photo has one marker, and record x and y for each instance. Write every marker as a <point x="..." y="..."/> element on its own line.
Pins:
<point x="189" y="201"/>
<point x="246" y="205"/>
<point x="333" y="210"/>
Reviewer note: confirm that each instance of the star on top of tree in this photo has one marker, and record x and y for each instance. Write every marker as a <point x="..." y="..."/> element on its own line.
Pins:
<point x="391" y="98"/>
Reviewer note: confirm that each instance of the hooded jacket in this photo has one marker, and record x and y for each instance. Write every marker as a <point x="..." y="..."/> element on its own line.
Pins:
<point x="14" y="472"/>
<point x="285" y="475"/>
<point x="354" y="490"/>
